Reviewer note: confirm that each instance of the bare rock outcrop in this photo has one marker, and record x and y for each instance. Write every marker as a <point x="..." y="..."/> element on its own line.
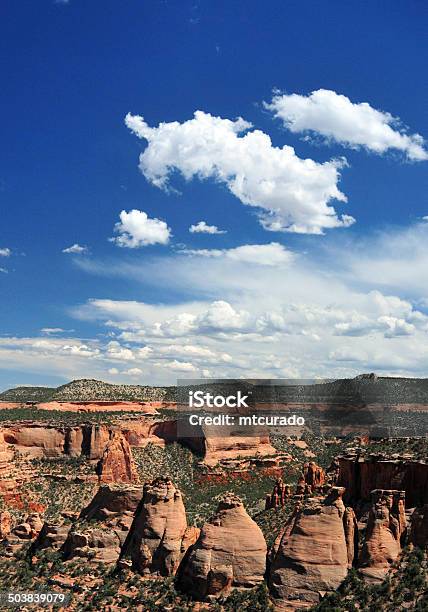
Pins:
<point x="7" y="479"/>
<point x="232" y="447"/>
<point x="159" y="535"/>
<point x="116" y="463"/>
<point x="314" y="553"/>
<point x="6" y="524"/>
<point x="111" y="501"/>
<point x="99" y="544"/>
<point x="103" y="526"/>
<point x="361" y="474"/>
<point x="314" y="475"/>
<point x="29" y="528"/>
<point x="279" y="496"/>
<point x="419" y="527"/>
<point x="386" y="529"/>
<point x="38" y="439"/>
<point x="52" y="535"/>
<point x="230" y="552"/>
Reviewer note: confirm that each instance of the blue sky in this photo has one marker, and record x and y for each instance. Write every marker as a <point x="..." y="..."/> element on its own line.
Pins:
<point x="343" y="300"/>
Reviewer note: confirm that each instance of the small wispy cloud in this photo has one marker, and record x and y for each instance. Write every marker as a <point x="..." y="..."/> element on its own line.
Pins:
<point x="4" y="271"/>
<point x="51" y="331"/>
<point x="203" y="228"/>
<point x="5" y="252"/>
<point x="76" y="249"/>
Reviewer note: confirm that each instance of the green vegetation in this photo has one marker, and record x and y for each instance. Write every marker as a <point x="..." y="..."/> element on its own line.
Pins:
<point x="59" y="417"/>
<point x="406" y="587"/>
<point x="88" y="390"/>
<point x="27" y="394"/>
<point x="200" y="491"/>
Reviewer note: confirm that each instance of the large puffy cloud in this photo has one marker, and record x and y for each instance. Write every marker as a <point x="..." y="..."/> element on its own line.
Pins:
<point x="136" y="229"/>
<point x="292" y="194"/>
<point x="335" y="117"/>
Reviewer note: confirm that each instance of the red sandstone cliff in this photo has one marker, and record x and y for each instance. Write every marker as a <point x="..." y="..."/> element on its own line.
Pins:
<point x="386" y="529"/>
<point x="314" y="553"/>
<point x="230" y="552"/>
<point x="360" y="475"/>
<point x="159" y="535"/>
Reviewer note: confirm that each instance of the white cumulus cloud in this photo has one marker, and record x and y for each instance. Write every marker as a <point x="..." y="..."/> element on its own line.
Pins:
<point x="292" y="194"/>
<point x="76" y="249"/>
<point x="5" y="252"/>
<point x="273" y="254"/>
<point x="203" y="228"/>
<point x="355" y="125"/>
<point x="136" y="230"/>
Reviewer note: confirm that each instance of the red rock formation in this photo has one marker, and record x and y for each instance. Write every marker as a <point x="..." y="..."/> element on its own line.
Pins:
<point x="95" y="440"/>
<point x="98" y="545"/>
<point x="350" y="526"/>
<point x="116" y="463"/>
<point x="230" y="552"/>
<point x="314" y="552"/>
<point x="111" y="501"/>
<point x="362" y="474"/>
<point x="112" y="509"/>
<point x="36" y="439"/>
<point x="314" y="475"/>
<point x="45" y="440"/>
<point x="232" y="447"/>
<point x="280" y="494"/>
<point x="300" y="487"/>
<point x="159" y="532"/>
<point x="5" y="524"/>
<point x="419" y="527"/>
<point x="52" y="535"/>
<point x="7" y="480"/>
<point x="29" y="528"/>
<point x="385" y="529"/>
<point x="214" y="443"/>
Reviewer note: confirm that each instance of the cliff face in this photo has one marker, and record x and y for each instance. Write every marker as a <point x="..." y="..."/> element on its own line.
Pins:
<point x="116" y="463"/>
<point x="45" y="440"/>
<point x="159" y="535"/>
<point x="230" y="552"/>
<point x="419" y="527"/>
<point x="7" y="480"/>
<point x="113" y="509"/>
<point x="386" y="529"/>
<point x="361" y="475"/>
<point x="314" y="553"/>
